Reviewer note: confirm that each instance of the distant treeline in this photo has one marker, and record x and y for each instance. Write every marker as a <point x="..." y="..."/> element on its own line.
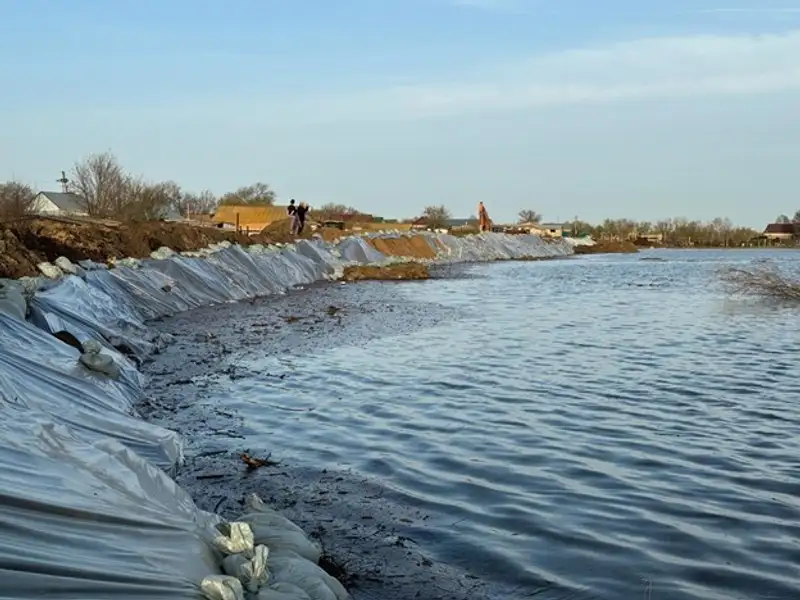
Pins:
<point x="674" y="232"/>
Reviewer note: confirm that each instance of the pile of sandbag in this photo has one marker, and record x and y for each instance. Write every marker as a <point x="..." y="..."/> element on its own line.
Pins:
<point x="267" y="557"/>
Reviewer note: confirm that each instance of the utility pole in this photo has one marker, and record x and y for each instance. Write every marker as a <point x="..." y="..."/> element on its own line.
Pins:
<point x="63" y="181"/>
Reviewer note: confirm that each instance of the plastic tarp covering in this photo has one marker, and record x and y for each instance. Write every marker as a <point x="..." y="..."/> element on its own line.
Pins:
<point x="87" y="509"/>
<point x="41" y="375"/>
<point x="493" y="246"/>
<point x="92" y="520"/>
<point x="318" y="252"/>
<point x="357" y="250"/>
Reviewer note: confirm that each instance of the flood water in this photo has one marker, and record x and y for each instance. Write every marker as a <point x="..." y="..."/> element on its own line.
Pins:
<point x="602" y="427"/>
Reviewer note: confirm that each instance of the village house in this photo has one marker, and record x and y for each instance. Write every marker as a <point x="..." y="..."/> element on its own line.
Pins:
<point x="649" y="238"/>
<point x="59" y="204"/>
<point x="554" y="230"/>
<point x="782" y="232"/>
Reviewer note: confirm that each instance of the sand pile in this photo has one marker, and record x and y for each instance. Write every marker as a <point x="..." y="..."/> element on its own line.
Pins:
<point x="405" y="246"/>
<point x="400" y="271"/>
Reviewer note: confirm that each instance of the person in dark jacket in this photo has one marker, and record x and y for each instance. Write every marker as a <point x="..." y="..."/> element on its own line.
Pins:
<point x="301" y="213"/>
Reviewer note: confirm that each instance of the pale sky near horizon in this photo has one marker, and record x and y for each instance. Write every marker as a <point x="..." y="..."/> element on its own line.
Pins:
<point x="590" y="108"/>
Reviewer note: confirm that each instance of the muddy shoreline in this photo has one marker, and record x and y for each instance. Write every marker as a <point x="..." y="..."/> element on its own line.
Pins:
<point x="361" y="524"/>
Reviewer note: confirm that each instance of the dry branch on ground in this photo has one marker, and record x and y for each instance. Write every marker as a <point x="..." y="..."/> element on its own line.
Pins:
<point x="766" y="281"/>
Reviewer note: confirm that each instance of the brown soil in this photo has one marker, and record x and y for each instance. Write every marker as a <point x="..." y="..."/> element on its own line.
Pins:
<point x="405" y="246"/>
<point x="399" y="271"/>
<point x="608" y="248"/>
<point x="26" y="243"/>
<point x="280" y="231"/>
<point x="15" y="259"/>
<point x="29" y="242"/>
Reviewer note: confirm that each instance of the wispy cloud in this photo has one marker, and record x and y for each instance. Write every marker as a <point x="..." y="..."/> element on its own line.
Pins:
<point x="504" y="6"/>
<point x="762" y="10"/>
<point x="636" y="70"/>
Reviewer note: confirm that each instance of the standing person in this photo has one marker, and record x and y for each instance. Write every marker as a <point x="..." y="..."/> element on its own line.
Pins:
<point x="300" y="213"/>
<point x="296" y="224"/>
<point x="483" y="217"/>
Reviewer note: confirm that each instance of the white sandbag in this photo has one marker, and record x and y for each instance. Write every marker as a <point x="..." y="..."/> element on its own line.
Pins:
<point x="220" y="587"/>
<point x="282" y="591"/>
<point x="63" y="263"/>
<point x="252" y="572"/>
<point x="162" y="253"/>
<point x="260" y="516"/>
<point x="101" y="363"/>
<point x="234" y="538"/>
<point x="280" y="540"/>
<point x="289" y="567"/>
<point x="49" y="270"/>
<point x="92" y="347"/>
<point x="132" y="263"/>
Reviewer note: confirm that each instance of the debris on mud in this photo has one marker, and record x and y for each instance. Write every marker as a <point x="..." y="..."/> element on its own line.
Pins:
<point x="256" y="463"/>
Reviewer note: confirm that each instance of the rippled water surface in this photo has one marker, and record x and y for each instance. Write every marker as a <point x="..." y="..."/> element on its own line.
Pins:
<point x="604" y="427"/>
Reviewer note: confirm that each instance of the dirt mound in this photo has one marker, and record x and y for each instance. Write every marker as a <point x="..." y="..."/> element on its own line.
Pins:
<point x="331" y="234"/>
<point x="608" y="248"/>
<point x="26" y="243"/>
<point x="400" y="271"/>
<point x="281" y="232"/>
<point x="15" y="259"/>
<point x="405" y="246"/>
<point x="32" y="241"/>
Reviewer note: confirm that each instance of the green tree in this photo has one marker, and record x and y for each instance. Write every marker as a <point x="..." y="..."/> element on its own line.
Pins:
<point x="783" y="219"/>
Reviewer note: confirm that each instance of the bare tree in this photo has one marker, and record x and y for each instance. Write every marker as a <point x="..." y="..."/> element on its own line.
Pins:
<point x="101" y="182"/>
<point x="197" y="204"/>
<point x="144" y="200"/>
<point x="259" y="194"/>
<point x="16" y="199"/>
<point x="436" y="217"/>
<point x="332" y="210"/>
<point x="529" y="216"/>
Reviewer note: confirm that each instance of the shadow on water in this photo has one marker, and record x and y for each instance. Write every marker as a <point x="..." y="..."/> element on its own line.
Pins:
<point x="605" y="428"/>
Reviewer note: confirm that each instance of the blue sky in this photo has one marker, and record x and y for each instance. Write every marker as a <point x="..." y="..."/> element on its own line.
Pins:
<point x="589" y="108"/>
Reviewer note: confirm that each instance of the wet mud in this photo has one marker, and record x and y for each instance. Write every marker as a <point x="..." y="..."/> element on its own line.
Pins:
<point x="357" y="520"/>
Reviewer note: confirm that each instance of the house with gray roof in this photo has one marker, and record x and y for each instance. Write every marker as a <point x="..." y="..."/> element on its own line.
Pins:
<point x="54" y="204"/>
